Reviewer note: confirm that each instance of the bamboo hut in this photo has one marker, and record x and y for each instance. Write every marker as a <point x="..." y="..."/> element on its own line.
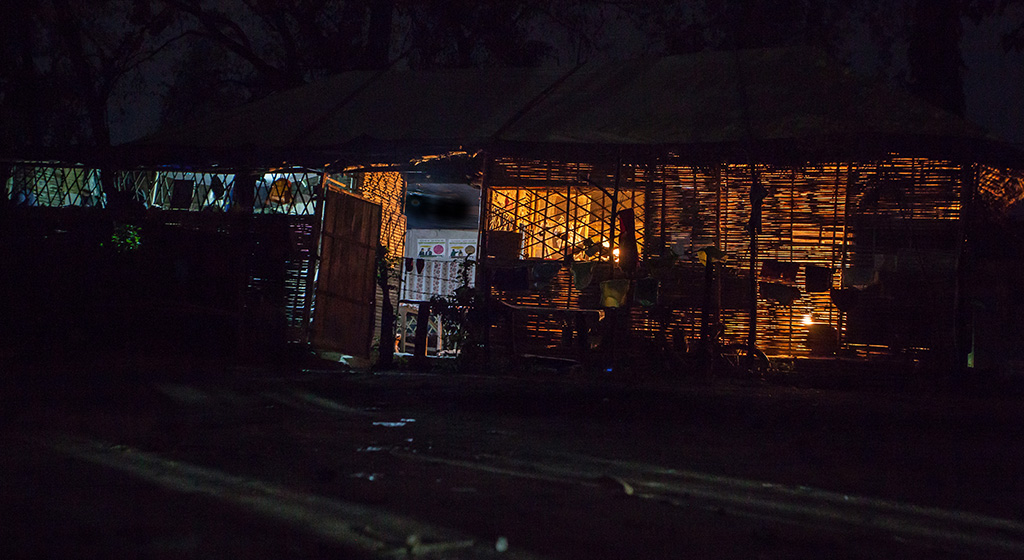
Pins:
<point x="844" y="209"/>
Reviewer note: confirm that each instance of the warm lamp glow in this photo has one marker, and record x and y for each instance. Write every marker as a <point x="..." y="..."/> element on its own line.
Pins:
<point x="808" y="320"/>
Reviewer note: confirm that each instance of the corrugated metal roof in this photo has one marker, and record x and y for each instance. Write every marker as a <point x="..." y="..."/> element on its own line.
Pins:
<point x="709" y="98"/>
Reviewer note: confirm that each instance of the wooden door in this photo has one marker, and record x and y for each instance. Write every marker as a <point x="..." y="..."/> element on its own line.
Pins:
<point x="343" y="316"/>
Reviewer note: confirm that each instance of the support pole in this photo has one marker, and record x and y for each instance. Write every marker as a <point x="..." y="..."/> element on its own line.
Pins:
<point x="613" y="315"/>
<point x="108" y="184"/>
<point x="845" y="254"/>
<point x="244" y="192"/>
<point x="483" y="219"/>
<point x="319" y="195"/>
<point x="613" y="217"/>
<point x="479" y="318"/>
<point x="419" y="354"/>
<point x="757" y="194"/>
<point x="963" y="344"/>
<point x="5" y="176"/>
<point x="708" y="326"/>
<point x="752" y="320"/>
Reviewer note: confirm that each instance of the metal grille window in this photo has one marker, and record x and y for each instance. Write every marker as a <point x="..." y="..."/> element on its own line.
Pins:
<point x="40" y="184"/>
<point x="282" y="191"/>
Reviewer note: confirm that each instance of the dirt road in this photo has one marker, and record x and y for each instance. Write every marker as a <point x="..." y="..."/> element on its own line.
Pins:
<point x="359" y="465"/>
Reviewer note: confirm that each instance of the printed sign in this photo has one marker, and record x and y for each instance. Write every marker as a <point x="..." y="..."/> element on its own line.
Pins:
<point x="461" y="248"/>
<point x="435" y="248"/>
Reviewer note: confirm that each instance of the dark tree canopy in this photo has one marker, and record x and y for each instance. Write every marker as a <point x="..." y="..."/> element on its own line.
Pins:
<point x="933" y="54"/>
<point x="64" y="64"/>
<point x="468" y="33"/>
<point x="62" y="60"/>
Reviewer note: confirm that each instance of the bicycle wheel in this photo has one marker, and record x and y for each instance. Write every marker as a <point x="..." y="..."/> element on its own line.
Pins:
<point x="735" y="357"/>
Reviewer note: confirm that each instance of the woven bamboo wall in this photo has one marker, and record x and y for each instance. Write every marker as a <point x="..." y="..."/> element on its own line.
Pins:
<point x="1000" y="188"/>
<point x="842" y="216"/>
<point x="893" y="222"/>
<point x="387" y="188"/>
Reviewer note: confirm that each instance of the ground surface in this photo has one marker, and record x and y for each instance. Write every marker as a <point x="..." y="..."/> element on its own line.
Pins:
<point x="334" y="464"/>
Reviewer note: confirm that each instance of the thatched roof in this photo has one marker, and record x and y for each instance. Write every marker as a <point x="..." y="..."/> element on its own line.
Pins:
<point x="787" y="102"/>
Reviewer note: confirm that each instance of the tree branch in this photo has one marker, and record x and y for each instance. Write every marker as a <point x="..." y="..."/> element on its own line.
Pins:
<point x="220" y="29"/>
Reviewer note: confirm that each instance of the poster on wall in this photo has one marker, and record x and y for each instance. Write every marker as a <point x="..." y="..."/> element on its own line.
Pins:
<point x="434" y="248"/>
<point x="461" y="248"/>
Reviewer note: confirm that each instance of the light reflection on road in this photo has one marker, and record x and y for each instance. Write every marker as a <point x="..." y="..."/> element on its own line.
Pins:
<point x="754" y="499"/>
<point x="364" y="528"/>
<point x="395" y="424"/>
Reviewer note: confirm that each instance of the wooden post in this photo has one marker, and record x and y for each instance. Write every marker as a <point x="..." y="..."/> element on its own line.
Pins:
<point x="479" y="318"/>
<point x="664" y="203"/>
<point x="5" y="176"/>
<point x="706" y="330"/>
<point x="320" y="195"/>
<point x="107" y="184"/>
<point x="483" y="218"/>
<point x="962" y="340"/>
<point x="844" y="254"/>
<point x="244" y="192"/>
<point x="752" y="320"/>
<point x="419" y="353"/>
<point x="613" y="315"/>
<point x="386" y="350"/>
<point x="757" y="195"/>
<point x="613" y="217"/>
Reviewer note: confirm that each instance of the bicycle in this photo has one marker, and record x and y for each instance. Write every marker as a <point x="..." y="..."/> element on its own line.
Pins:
<point x="737" y="359"/>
